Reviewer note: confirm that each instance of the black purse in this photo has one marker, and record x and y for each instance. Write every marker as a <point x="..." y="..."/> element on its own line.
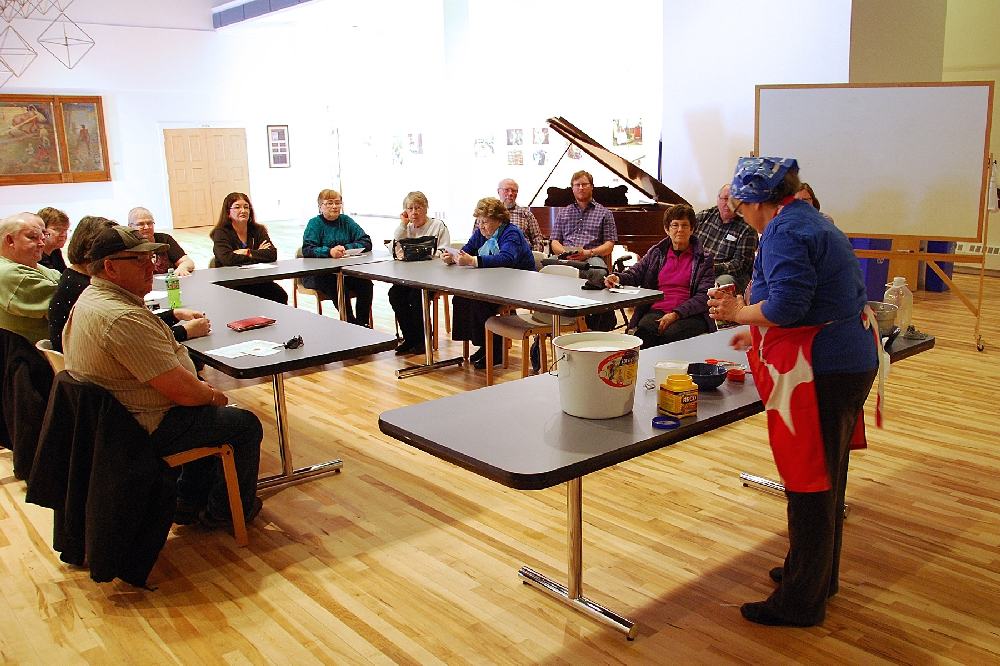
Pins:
<point x="421" y="248"/>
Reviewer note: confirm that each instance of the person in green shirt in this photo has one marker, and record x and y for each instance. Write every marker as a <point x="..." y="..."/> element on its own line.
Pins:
<point x="25" y="286"/>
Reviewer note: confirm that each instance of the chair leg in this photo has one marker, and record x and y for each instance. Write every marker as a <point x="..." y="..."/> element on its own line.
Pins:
<point x="489" y="358"/>
<point x="225" y="453"/>
<point x="295" y="295"/>
<point x="435" y="326"/>
<point x="543" y="352"/>
<point x="465" y="350"/>
<point x="235" y="503"/>
<point x="447" y="314"/>
<point x="525" y="365"/>
<point x="319" y="304"/>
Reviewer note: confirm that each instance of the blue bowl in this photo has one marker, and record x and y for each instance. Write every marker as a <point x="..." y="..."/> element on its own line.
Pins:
<point x="707" y="375"/>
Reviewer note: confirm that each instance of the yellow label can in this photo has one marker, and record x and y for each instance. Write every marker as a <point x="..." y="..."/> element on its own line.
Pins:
<point x="678" y="397"/>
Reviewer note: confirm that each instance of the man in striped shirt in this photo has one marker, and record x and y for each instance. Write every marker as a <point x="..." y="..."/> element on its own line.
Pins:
<point x="112" y="340"/>
<point x="520" y="216"/>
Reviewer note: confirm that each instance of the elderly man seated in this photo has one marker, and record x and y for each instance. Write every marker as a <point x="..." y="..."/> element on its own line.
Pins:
<point x="112" y="340"/>
<point x="25" y="287"/>
<point x="173" y="256"/>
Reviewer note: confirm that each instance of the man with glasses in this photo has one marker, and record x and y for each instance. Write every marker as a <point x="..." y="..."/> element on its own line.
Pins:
<point x="174" y="257"/>
<point x="520" y="216"/>
<point x="731" y="241"/>
<point x="332" y="234"/>
<point x="585" y="226"/>
<point x="25" y="286"/>
<point x="56" y="234"/>
<point x="112" y="340"/>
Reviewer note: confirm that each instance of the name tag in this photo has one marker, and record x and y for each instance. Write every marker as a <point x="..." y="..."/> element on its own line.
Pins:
<point x="730" y="237"/>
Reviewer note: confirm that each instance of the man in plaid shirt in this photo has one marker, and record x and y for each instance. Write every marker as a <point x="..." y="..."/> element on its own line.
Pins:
<point x="520" y="216"/>
<point x="731" y="241"/>
<point x="585" y="224"/>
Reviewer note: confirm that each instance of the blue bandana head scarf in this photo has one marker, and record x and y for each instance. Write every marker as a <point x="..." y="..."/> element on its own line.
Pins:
<point x="756" y="177"/>
<point x="491" y="246"/>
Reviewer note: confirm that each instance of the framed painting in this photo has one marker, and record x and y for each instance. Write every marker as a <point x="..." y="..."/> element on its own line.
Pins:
<point x="277" y="141"/>
<point x="52" y="139"/>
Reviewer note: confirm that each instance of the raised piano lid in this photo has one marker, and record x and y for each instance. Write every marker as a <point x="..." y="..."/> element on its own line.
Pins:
<point x="632" y="174"/>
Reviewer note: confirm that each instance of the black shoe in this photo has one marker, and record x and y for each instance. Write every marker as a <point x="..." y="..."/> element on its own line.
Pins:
<point x="478" y="355"/>
<point x="481" y="363"/>
<point x="404" y="348"/>
<point x="185" y="513"/>
<point x="758" y="613"/>
<point x="776" y="573"/>
<point x="211" y="522"/>
<point x="536" y="355"/>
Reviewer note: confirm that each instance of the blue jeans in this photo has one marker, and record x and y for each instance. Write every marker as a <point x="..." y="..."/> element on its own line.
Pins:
<point x="202" y="482"/>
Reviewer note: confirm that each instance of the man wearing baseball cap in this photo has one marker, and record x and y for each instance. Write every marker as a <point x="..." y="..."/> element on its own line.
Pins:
<point x="112" y="340"/>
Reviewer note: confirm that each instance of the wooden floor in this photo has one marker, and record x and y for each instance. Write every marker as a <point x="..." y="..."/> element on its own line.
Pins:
<point x="405" y="559"/>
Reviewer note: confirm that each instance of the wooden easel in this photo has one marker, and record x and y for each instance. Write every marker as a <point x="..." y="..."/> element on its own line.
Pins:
<point x="904" y="252"/>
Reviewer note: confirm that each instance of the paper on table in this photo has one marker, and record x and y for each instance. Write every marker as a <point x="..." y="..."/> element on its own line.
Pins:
<point x="570" y="301"/>
<point x="154" y="296"/>
<point x="452" y="251"/>
<point x="354" y="251"/>
<point x="259" y="266"/>
<point x="622" y="290"/>
<point x="250" y="347"/>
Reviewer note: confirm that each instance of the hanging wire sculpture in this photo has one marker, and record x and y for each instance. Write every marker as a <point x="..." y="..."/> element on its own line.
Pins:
<point x="63" y="38"/>
<point x="66" y="41"/>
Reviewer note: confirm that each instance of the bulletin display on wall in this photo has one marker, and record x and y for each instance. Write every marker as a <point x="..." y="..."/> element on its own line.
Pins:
<point x="52" y="139"/>
<point x="277" y="147"/>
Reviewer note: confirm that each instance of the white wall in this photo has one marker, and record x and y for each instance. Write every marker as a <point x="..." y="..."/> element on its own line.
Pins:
<point x="714" y="53"/>
<point x="451" y="70"/>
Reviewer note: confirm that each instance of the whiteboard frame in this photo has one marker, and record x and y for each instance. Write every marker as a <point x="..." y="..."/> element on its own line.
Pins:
<point x="980" y="232"/>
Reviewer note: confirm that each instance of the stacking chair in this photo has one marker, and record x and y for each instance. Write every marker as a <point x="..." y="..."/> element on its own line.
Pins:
<point x="54" y="358"/>
<point x="224" y="453"/>
<point x="299" y="288"/>
<point x="523" y="326"/>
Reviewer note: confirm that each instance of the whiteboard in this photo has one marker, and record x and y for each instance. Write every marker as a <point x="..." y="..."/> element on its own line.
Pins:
<point x="891" y="160"/>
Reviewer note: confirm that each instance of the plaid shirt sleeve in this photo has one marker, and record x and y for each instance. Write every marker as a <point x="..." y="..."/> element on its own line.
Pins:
<point x="525" y="220"/>
<point x="732" y="257"/>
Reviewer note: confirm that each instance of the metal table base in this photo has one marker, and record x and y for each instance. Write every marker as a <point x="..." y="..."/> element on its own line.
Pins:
<point x="572" y="595"/>
<point x="429" y="364"/>
<point x="764" y="483"/>
<point x="289" y="475"/>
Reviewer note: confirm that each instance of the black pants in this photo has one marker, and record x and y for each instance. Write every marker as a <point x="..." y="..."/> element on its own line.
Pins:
<point x="360" y="288"/>
<point x="688" y="327"/>
<point x="468" y="319"/>
<point x="201" y="482"/>
<point x="407" y="305"/>
<point x="816" y="520"/>
<point x="268" y="290"/>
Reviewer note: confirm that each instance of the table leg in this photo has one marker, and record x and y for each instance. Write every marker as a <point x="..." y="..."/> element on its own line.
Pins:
<point x="764" y="483"/>
<point x="573" y="595"/>
<point x="429" y="364"/>
<point x="556" y="331"/>
<point x="341" y="297"/>
<point x="288" y="473"/>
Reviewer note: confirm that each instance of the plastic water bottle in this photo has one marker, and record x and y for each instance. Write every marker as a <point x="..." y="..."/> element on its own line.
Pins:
<point x="899" y="294"/>
<point x="173" y="290"/>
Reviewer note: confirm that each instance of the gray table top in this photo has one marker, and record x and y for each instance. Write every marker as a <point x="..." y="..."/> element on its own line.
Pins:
<point x="535" y="445"/>
<point x="509" y="286"/>
<point x="326" y="339"/>
<point x="279" y="270"/>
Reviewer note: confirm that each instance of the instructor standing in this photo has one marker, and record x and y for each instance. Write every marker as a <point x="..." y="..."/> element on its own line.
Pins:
<point x="814" y="354"/>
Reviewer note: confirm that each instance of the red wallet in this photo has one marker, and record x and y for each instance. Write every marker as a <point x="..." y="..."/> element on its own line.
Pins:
<point x="250" y="323"/>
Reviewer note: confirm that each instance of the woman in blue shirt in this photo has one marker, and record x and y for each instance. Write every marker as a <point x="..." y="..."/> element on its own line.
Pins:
<point x="496" y="243"/>
<point x="809" y="324"/>
<point x="331" y="234"/>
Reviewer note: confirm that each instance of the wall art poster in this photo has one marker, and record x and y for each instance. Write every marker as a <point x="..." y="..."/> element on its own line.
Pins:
<point x="416" y="143"/>
<point x="83" y="136"/>
<point x="515" y="137"/>
<point x="540" y="135"/>
<point x="277" y="148"/>
<point x="515" y="157"/>
<point x="28" y="139"/>
<point x="483" y="146"/>
<point x="539" y="156"/>
<point x="627" y="133"/>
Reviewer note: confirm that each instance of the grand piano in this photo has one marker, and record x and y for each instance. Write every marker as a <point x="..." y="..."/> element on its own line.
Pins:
<point x="639" y="227"/>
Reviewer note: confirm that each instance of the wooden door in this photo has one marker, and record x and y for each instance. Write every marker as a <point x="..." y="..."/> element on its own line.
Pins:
<point x="227" y="154"/>
<point x="188" y="177"/>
